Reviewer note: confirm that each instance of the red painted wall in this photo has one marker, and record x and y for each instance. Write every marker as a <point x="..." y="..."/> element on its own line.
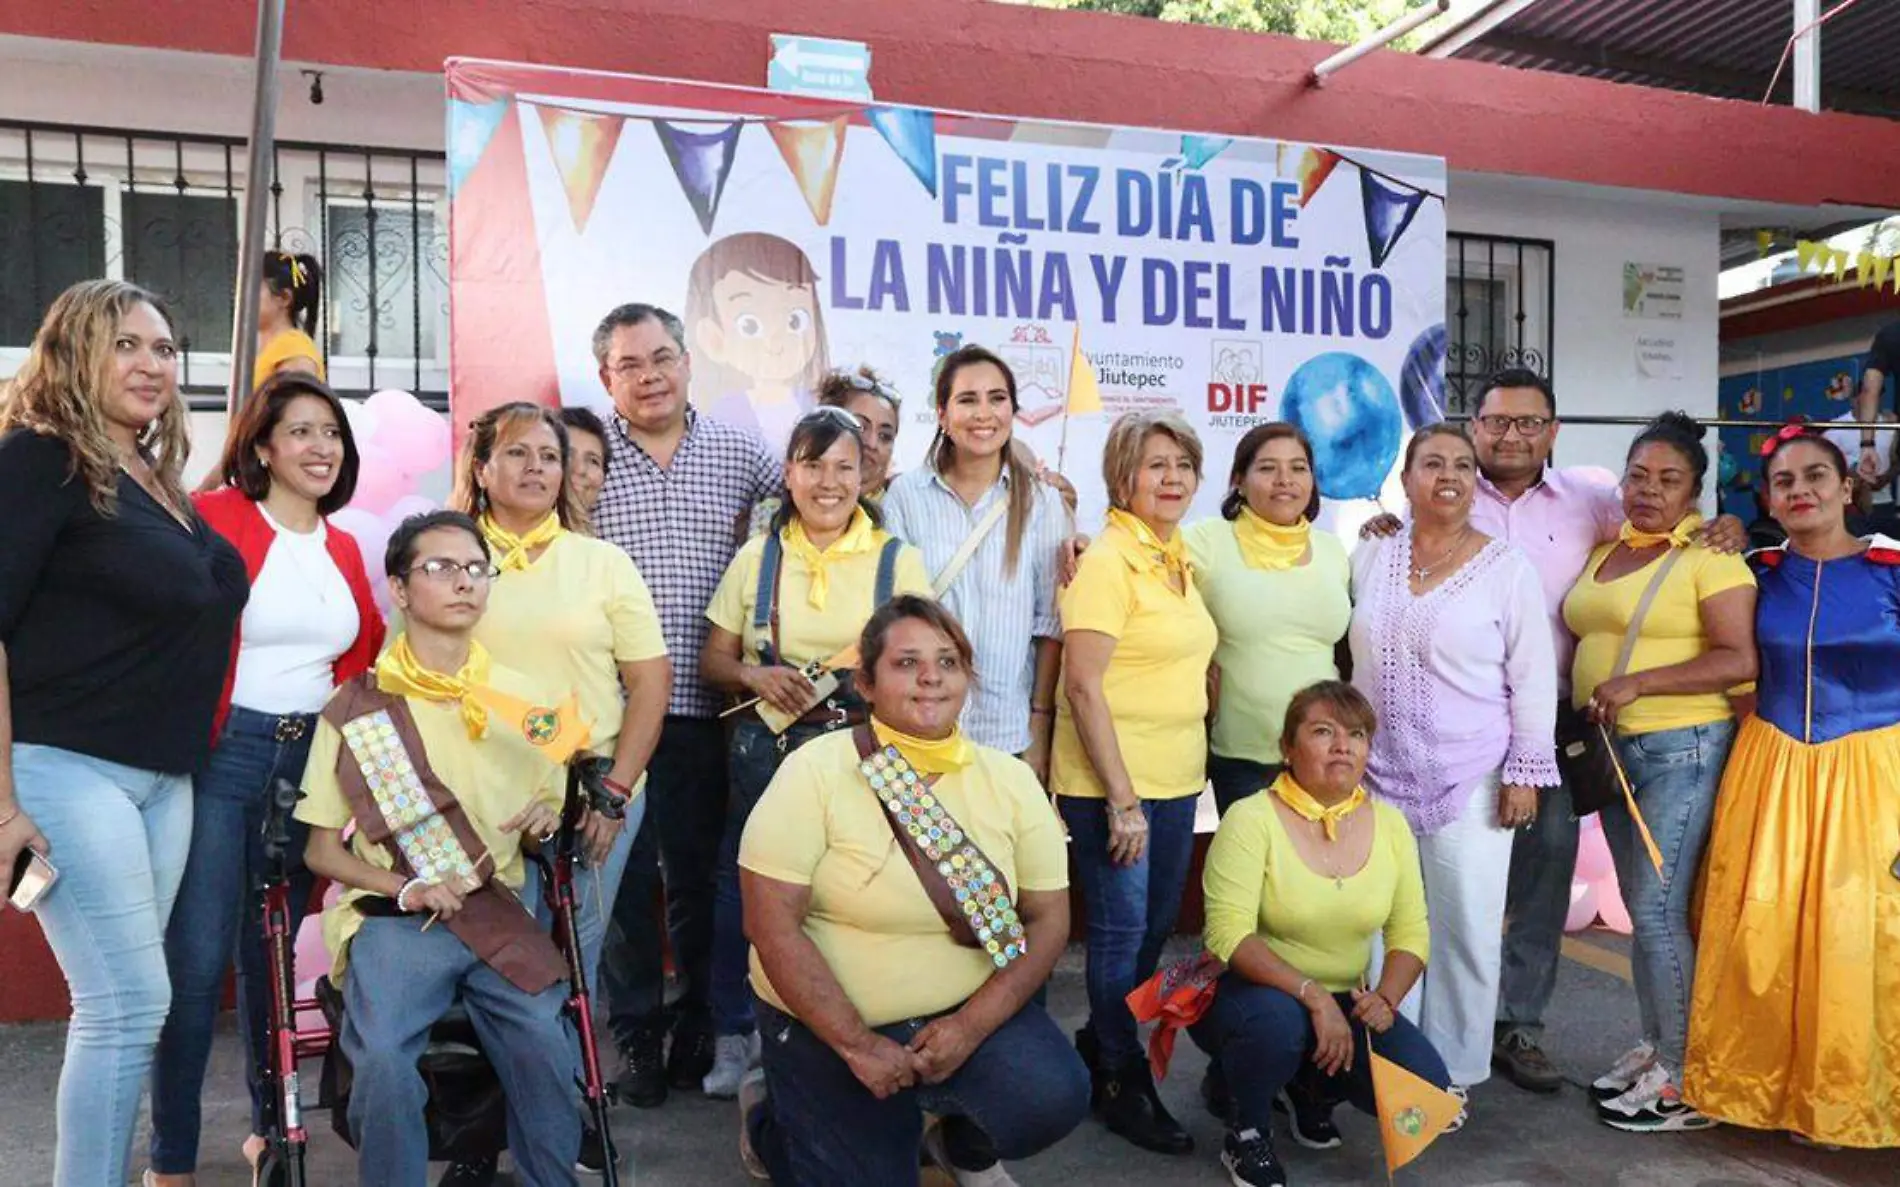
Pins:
<point x="972" y="55"/>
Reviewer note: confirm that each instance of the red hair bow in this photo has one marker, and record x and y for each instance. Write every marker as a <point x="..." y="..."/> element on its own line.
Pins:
<point x="1788" y="432"/>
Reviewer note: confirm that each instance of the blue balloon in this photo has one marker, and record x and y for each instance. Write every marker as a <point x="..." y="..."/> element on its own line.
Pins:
<point x="1422" y="379"/>
<point x="1347" y="410"/>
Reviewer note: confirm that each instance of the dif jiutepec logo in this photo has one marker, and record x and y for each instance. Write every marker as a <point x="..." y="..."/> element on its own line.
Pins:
<point x="1235" y="390"/>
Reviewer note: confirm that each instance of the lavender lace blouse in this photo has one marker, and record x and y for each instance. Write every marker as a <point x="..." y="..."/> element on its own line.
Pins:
<point x="1464" y="679"/>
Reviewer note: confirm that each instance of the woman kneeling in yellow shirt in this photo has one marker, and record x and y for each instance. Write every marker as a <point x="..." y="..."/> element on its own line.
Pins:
<point x="1297" y="883"/>
<point x="905" y="896"/>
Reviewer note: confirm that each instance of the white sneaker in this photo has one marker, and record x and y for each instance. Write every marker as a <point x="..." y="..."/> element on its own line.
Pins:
<point x="751" y="1095"/>
<point x="1623" y="1075"/>
<point x="1464" y="1107"/>
<point x="733" y="1057"/>
<point x="991" y="1176"/>
<point x="1653" y="1104"/>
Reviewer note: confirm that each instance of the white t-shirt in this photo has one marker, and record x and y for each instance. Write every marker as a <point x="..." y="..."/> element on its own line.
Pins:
<point x="300" y="618"/>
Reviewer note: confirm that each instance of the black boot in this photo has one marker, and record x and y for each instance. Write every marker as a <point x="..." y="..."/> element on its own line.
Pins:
<point x="642" y="1079"/>
<point x="1132" y="1108"/>
<point x="478" y="1173"/>
<point x="691" y="1055"/>
<point x="1091" y="1053"/>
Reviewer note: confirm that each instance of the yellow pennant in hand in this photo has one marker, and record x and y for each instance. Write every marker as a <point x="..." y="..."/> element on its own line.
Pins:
<point x="558" y="733"/>
<point x="1412" y="1112"/>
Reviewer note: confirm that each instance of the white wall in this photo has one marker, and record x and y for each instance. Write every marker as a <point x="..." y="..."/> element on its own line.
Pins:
<point x="1594" y="347"/>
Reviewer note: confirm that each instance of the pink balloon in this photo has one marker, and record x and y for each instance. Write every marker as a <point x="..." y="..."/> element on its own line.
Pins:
<point x="370" y="533"/>
<point x="1583" y="906"/>
<point x="415" y="438"/>
<point x="1593" y="852"/>
<point x="1610" y="908"/>
<point x="380" y="482"/>
<point x="313" y="959"/>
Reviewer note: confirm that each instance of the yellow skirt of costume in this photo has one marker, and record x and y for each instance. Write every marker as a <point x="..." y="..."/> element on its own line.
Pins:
<point x="1796" y="1019"/>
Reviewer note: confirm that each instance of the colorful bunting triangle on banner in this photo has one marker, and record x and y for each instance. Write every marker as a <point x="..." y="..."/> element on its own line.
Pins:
<point x="701" y="161"/>
<point x="1316" y="165"/>
<point x="1804" y="252"/>
<point x="582" y="143"/>
<point x="1389" y="209"/>
<point x="812" y="152"/>
<point x="1199" y="150"/>
<point x="1882" y="266"/>
<point x="1838" y="264"/>
<point x="471" y="127"/>
<point x="912" y="134"/>
<point x="1864" y="268"/>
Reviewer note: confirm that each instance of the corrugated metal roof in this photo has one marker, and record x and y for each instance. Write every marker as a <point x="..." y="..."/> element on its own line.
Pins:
<point x="1713" y="47"/>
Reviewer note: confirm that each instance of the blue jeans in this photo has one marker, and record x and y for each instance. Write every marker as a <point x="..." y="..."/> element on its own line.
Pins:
<point x="119" y="837"/>
<point x="1265" y="1039"/>
<point x="1024" y="1087"/>
<point x="1675" y="775"/>
<point x="402" y="979"/>
<point x="756" y="755"/>
<point x="1131" y="910"/>
<point x="595" y="888"/>
<point x="686" y="817"/>
<point x="1543" y="865"/>
<point x="216" y="917"/>
<point x="1235" y="779"/>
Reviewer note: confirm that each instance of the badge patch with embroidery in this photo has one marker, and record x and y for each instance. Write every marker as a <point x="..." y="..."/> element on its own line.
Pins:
<point x="541" y="726"/>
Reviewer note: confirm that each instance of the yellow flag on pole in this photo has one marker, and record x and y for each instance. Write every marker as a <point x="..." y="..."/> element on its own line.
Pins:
<point x="1805" y="251"/>
<point x="1412" y="1112"/>
<point x="1085" y="394"/>
<point x="558" y="732"/>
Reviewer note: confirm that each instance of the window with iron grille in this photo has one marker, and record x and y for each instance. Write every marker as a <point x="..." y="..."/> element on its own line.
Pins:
<point x="1500" y="299"/>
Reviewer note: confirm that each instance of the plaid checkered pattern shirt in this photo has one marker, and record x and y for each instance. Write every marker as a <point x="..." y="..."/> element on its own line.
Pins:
<point x="681" y="526"/>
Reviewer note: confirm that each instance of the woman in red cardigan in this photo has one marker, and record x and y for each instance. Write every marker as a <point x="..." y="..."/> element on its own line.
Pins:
<point x="311" y="624"/>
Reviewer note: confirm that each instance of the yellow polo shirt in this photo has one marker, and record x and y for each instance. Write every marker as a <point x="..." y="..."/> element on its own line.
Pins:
<point x="807" y="633"/>
<point x="1157" y="681"/>
<point x="291" y="344"/>
<point x="1598" y="612"/>
<point x="820" y="825"/>
<point x="1256" y="883"/>
<point x="493" y="778"/>
<point x="569" y="619"/>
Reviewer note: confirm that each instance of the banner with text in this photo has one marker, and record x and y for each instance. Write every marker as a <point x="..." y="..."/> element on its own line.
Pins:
<point x="1236" y="280"/>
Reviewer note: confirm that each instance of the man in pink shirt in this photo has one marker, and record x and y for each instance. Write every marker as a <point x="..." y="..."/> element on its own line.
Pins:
<point x="1555" y="517"/>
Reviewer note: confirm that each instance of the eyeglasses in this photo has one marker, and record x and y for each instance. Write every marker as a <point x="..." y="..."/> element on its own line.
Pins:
<point x="478" y="572"/>
<point x="1498" y="424"/>
<point x="659" y="364"/>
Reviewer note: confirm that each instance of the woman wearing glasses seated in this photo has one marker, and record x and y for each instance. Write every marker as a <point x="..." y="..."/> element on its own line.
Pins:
<point x="784" y="621"/>
<point x="905" y="895"/>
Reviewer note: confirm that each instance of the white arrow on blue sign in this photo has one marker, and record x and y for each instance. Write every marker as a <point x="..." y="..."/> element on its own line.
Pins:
<point x="820" y="66"/>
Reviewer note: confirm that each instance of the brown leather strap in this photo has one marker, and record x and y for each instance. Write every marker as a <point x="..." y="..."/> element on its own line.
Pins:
<point x="492" y="922"/>
<point x="941" y="896"/>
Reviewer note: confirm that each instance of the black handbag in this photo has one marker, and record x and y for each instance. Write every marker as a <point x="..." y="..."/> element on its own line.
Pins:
<point x="1590" y="770"/>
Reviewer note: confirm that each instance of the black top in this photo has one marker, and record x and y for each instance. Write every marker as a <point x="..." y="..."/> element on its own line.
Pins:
<point x="1884" y="355"/>
<point x="117" y="630"/>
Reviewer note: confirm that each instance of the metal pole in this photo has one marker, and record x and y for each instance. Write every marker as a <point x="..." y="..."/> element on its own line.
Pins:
<point x="257" y="180"/>
<point x="1807" y="55"/>
<point x="1385" y="36"/>
<point x="1714" y="422"/>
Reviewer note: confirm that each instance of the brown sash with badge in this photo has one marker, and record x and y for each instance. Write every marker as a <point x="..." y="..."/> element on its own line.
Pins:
<point x="398" y="802"/>
<point x="963" y="884"/>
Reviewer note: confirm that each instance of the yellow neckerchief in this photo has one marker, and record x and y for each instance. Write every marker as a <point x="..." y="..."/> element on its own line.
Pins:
<point x="399" y="673"/>
<point x="511" y="551"/>
<point x="1268" y="545"/>
<point x="1165" y="559"/>
<point x="860" y="535"/>
<point x="1680" y="536"/>
<point x="932" y="756"/>
<point x="1301" y="801"/>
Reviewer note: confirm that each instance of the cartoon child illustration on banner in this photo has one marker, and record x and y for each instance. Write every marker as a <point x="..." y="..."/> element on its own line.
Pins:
<point x="756" y="332"/>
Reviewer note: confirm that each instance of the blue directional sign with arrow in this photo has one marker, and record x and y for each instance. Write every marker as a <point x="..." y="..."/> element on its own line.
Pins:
<point x="820" y="66"/>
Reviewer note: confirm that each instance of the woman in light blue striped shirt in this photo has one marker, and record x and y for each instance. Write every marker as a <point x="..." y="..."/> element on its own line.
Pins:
<point x="1005" y="596"/>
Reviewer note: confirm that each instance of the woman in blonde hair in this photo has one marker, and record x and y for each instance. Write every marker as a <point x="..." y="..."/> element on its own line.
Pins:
<point x="573" y="612"/>
<point x="117" y="604"/>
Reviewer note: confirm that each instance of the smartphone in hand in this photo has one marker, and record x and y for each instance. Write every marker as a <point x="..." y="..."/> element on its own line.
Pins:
<point x="32" y="877"/>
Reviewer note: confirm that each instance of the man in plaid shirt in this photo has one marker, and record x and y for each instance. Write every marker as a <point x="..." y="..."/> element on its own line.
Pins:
<point x="679" y="486"/>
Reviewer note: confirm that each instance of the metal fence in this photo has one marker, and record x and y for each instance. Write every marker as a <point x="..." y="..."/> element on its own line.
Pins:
<point x="162" y="210"/>
<point x="1500" y="311"/>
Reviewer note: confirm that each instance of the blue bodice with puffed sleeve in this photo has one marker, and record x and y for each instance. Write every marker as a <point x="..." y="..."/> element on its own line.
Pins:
<point x="1829" y="635"/>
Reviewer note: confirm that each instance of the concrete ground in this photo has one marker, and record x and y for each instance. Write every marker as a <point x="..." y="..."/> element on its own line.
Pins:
<point x="1513" y="1138"/>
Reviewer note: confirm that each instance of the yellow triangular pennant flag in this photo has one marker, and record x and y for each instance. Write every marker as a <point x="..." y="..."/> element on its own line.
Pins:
<point x="812" y="152"/>
<point x="558" y="732"/>
<point x="1804" y="252"/>
<point x="1838" y="265"/>
<point x="1864" y="268"/>
<point x="582" y="143"/>
<point x="1085" y="394"/>
<point x="1882" y="266"/>
<point x="1412" y="1111"/>
<point x="1764" y="240"/>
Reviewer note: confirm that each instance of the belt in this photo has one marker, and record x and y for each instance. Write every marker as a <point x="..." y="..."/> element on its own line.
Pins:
<point x="832" y="714"/>
<point x="291" y="728"/>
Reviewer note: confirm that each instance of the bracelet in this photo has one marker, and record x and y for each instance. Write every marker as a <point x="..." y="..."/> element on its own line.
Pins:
<point x="1045" y="710"/>
<point x="12" y="816"/>
<point x="403" y="894"/>
<point x="1116" y="810"/>
<point x="619" y="789"/>
<point x="1301" y="995"/>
